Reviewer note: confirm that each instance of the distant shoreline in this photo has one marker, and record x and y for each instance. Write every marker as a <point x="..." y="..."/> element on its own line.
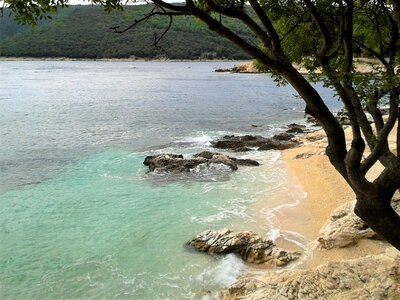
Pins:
<point x="5" y="58"/>
<point x="362" y="65"/>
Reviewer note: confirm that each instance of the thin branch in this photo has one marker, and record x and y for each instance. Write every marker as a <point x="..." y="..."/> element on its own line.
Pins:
<point x="300" y="19"/>
<point x="377" y="29"/>
<point x="344" y="95"/>
<point x="147" y="17"/>
<point x="380" y="57"/>
<point x="158" y="39"/>
<point x="393" y="39"/>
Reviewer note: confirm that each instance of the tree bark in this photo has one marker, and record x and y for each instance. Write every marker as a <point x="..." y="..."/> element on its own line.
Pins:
<point x="376" y="211"/>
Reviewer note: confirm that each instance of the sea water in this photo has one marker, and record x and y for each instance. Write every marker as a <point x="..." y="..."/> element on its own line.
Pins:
<point x="80" y="216"/>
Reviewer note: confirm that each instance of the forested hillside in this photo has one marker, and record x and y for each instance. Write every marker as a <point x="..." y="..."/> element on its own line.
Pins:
<point x="84" y="32"/>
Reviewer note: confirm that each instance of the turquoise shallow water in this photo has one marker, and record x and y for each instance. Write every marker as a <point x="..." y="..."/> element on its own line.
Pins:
<point x="79" y="215"/>
<point x="105" y="228"/>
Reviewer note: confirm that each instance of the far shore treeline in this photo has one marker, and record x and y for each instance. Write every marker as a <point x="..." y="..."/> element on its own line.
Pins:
<point x="83" y="31"/>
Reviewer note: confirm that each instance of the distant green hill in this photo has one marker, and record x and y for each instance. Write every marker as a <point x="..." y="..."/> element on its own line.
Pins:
<point x="83" y="32"/>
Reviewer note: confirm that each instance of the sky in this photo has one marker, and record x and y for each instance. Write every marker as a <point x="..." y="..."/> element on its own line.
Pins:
<point x="88" y="1"/>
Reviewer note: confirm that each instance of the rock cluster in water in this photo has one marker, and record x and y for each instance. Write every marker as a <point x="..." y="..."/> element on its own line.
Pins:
<point x="244" y="143"/>
<point x="345" y="228"/>
<point x="177" y="163"/>
<point x="371" y="277"/>
<point x="249" y="246"/>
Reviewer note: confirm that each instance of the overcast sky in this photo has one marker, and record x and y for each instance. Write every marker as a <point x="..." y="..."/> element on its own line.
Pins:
<point x="88" y="2"/>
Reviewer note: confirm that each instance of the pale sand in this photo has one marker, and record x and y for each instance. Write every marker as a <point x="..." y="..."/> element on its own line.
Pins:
<point x="326" y="190"/>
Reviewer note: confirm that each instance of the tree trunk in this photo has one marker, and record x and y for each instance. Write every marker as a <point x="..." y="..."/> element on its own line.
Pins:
<point x="376" y="211"/>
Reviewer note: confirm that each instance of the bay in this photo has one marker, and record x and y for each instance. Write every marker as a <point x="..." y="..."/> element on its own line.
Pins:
<point x="79" y="215"/>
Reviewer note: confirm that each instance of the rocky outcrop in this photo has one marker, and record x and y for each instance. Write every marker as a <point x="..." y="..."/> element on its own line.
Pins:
<point x="284" y="136"/>
<point x="177" y="163"/>
<point x="371" y="277"/>
<point x="249" y="246"/>
<point x="245" y="68"/>
<point x="345" y="228"/>
<point x="295" y="128"/>
<point x="247" y="142"/>
<point x="242" y="68"/>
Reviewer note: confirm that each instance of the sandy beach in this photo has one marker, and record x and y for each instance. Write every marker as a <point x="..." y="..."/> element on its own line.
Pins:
<point x="326" y="190"/>
<point x="338" y="273"/>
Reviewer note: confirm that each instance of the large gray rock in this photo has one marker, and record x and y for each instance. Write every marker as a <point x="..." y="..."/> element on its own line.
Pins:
<point x="246" y="142"/>
<point x="345" y="228"/>
<point x="178" y="164"/>
<point x="248" y="245"/>
<point x="370" y="278"/>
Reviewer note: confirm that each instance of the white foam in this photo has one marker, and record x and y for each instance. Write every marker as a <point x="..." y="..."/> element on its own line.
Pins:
<point x="227" y="271"/>
<point x="106" y="175"/>
<point x="273" y="234"/>
<point x="211" y="168"/>
<point x="300" y="241"/>
<point x="230" y="268"/>
<point x="234" y="210"/>
<point x="202" y="140"/>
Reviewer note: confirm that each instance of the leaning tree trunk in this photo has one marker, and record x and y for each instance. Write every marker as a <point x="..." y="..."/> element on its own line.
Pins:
<point x="376" y="211"/>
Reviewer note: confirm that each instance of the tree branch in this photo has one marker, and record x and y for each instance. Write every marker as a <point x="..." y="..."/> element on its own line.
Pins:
<point x="393" y="39"/>
<point x="356" y="177"/>
<point x="326" y="41"/>
<point x="299" y="20"/>
<point x="147" y="17"/>
<point x="159" y="38"/>
<point x="348" y="40"/>
<point x="381" y="150"/>
<point x="398" y="136"/>
<point x="218" y="27"/>
<point x="389" y="179"/>
<point x="241" y="15"/>
<point x="372" y="107"/>
<point x="380" y="57"/>
<point x="269" y="27"/>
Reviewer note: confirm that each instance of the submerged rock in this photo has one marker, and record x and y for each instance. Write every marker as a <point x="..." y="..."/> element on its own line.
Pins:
<point x="249" y="246"/>
<point x="246" y="142"/>
<point x="178" y="164"/>
<point x="371" y="277"/>
<point x="345" y="228"/>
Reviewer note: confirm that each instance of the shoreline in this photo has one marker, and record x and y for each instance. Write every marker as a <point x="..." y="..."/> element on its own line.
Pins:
<point x="314" y="190"/>
<point x="309" y="169"/>
<point x="12" y="58"/>
<point x="326" y="190"/>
